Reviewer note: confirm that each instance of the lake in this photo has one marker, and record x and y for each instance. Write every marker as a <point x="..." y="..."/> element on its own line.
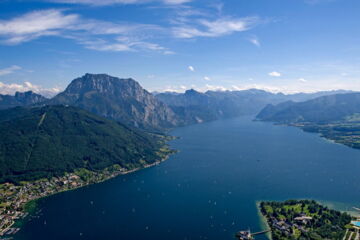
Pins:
<point x="209" y="189"/>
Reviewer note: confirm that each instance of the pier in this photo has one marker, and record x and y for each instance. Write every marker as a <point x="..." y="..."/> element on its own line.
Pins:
<point x="247" y="235"/>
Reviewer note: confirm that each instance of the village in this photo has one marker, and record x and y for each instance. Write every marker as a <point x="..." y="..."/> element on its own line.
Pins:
<point x="14" y="198"/>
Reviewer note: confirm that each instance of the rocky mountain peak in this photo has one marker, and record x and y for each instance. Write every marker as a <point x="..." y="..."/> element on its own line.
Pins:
<point x="116" y="98"/>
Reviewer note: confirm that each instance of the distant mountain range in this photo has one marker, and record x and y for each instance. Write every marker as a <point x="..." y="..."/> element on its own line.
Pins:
<point x="124" y="100"/>
<point x="319" y="110"/>
<point x="48" y="141"/>
<point x="20" y="99"/>
<point x="196" y="107"/>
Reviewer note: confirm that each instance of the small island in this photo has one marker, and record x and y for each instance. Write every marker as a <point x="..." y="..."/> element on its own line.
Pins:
<point x="307" y="219"/>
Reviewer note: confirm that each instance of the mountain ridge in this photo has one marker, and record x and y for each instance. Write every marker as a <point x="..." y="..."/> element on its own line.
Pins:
<point x="21" y="99"/>
<point x="322" y="109"/>
<point x="195" y="107"/>
<point x="118" y="99"/>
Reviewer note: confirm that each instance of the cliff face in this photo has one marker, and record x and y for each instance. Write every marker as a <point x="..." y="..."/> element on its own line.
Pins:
<point x="20" y="99"/>
<point x="123" y="100"/>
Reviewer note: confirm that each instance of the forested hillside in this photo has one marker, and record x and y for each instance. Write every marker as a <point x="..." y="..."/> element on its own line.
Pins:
<point x="47" y="141"/>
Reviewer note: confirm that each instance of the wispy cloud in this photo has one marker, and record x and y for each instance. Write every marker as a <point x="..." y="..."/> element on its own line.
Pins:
<point x="214" y="28"/>
<point x="209" y="87"/>
<point x="27" y="86"/>
<point x="9" y="70"/>
<point x="121" y="36"/>
<point x="254" y="40"/>
<point x="92" y="34"/>
<point x="171" y="88"/>
<point x="313" y="2"/>
<point x="122" y="44"/>
<point x="191" y="68"/>
<point x="112" y="2"/>
<point x="303" y="80"/>
<point x="206" y="78"/>
<point x="274" y="74"/>
<point x="35" y="24"/>
<point x="284" y="88"/>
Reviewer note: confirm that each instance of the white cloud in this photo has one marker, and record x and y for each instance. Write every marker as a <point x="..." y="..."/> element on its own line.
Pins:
<point x="9" y="70"/>
<point x="286" y="86"/>
<point x="209" y="87"/>
<point x="27" y="86"/>
<point x="92" y="34"/>
<point x="302" y="80"/>
<point x="167" y="52"/>
<point x="105" y="46"/>
<point x="313" y="2"/>
<point x="254" y="40"/>
<point x="219" y="27"/>
<point x="35" y="24"/>
<point x="183" y="88"/>
<point x="191" y="68"/>
<point x="274" y="74"/>
<point x="112" y="2"/>
<point x="108" y="36"/>
<point x="207" y="78"/>
<point x="177" y="89"/>
<point x="176" y="1"/>
<point x="121" y="45"/>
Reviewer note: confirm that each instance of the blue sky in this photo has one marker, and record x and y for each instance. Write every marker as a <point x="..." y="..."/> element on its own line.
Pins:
<point x="278" y="45"/>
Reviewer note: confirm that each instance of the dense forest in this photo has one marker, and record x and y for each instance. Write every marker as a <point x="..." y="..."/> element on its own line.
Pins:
<point x="47" y="141"/>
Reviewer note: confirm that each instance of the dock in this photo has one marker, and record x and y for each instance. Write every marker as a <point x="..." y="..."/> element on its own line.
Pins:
<point x="262" y="232"/>
<point x="247" y="235"/>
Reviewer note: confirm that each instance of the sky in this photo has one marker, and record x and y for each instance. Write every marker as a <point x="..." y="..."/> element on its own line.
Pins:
<point x="173" y="45"/>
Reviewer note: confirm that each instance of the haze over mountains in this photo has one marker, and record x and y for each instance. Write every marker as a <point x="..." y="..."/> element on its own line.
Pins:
<point x="195" y="107"/>
<point x="324" y="109"/>
<point x="124" y="100"/>
<point x="20" y="99"/>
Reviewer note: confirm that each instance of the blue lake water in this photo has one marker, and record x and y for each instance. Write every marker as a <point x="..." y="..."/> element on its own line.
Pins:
<point x="209" y="189"/>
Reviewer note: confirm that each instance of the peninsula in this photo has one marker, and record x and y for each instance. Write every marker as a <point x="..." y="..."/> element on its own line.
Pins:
<point x="306" y="219"/>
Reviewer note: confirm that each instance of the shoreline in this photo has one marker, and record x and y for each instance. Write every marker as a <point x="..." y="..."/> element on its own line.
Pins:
<point x="341" y="207"/>
<point x="318" y="133"/>
<point x="263" y="221"/>
<point x="73" y="182"/>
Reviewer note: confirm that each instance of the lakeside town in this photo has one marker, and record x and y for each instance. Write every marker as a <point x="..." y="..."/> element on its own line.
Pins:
<point x="14" y="199"/>
<point x="307" y="219"/>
